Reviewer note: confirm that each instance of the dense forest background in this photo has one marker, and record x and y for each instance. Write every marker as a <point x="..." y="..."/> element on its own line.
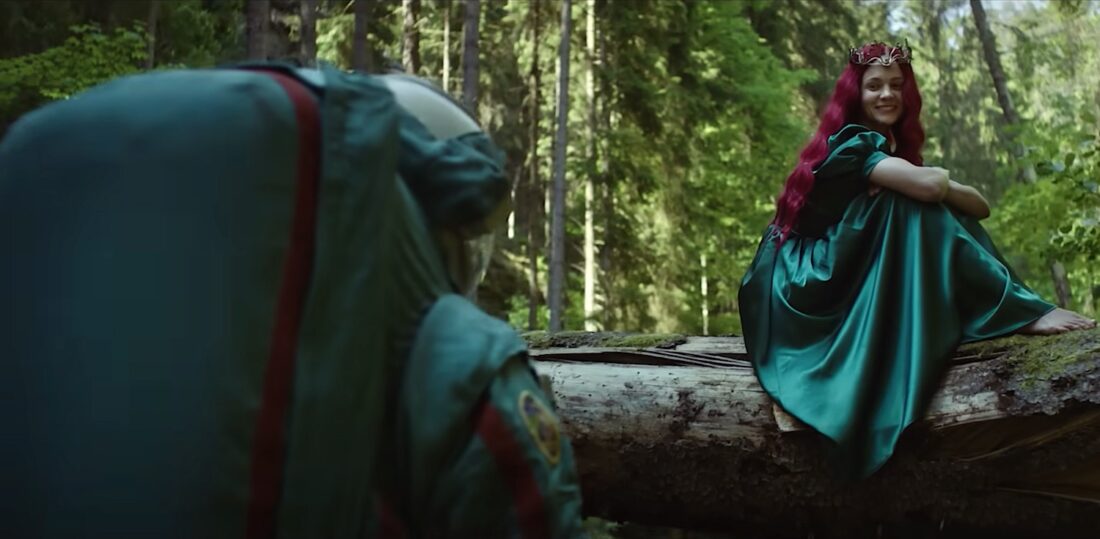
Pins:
<point x="647" y="139"/>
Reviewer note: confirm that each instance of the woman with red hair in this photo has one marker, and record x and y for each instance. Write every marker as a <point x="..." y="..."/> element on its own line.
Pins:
<point x="874" y="270"/>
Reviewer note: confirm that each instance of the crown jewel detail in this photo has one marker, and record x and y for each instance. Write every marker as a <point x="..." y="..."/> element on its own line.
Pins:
<point x="898" y="54"/>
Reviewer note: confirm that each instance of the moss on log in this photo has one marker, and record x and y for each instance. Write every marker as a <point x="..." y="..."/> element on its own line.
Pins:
<point x="1045" y="374"/>
<point x="579" y="339"/>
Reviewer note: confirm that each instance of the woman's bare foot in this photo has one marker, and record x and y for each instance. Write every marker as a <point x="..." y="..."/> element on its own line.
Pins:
<point x="1057" y="321"/>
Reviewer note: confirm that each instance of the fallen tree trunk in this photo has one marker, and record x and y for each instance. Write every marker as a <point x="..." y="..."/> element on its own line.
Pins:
<point x="677" y="432"/>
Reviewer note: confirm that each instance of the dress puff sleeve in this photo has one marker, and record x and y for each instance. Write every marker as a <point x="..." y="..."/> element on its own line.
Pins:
<point x="853" y="153"/>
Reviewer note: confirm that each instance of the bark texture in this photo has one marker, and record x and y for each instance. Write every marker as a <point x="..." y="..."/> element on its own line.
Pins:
<point x="151" y="29"/>
<point x="360" y="51"/>
<point x="677" y="432"/>
<point x="471" y="54"/>
<point x="589" y="178"/>
<point x="257" y="15"/>
<point x="556" y="286"/>
<point x="534" y="199"/>
<point x="410" y="51"/>
<point x="308" y="14"/>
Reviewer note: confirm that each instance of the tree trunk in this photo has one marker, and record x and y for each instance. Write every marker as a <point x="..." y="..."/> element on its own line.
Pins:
<point x="936" y="14"/>
<point x="410" y="53"/>
<point x="589" y="180"/>
<point x="681" y="434"/>
<point x="256" y="22"/>
<point x="557" y="205"/>
<point x="308" y="15"/>
<point x="151" y="29"/>
<point x="471" y="70"/>
<point x="607" y="193"/>
<point x="447" y="46"/>
<point x="703" y="294"/>
<point x="1061" y="284"/>
<point x="1091" y="293"/>
<point x="534" y="202"/>
<point x="993" y="62"/>
<point x="360" y="51"/>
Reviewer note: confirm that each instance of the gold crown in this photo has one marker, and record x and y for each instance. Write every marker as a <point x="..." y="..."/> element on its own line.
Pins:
<point x="899" y="53"/>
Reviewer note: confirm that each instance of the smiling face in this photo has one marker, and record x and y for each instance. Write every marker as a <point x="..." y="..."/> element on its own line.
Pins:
<point x="880" y="93"/>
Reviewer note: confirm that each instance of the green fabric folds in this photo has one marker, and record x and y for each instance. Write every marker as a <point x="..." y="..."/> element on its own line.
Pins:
<point x="851" y="321"/>
<point x="438" y="473"/>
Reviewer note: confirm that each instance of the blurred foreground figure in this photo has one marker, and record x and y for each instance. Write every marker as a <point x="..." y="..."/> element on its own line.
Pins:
<point x="231" y="309"/>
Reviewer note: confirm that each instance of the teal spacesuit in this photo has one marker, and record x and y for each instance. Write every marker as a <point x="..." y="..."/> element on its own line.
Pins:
<point x="232" y="308"/>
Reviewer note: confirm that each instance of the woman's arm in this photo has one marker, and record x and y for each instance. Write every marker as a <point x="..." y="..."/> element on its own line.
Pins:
<point x="928" y="184"/>
<point x="966" y="199"/>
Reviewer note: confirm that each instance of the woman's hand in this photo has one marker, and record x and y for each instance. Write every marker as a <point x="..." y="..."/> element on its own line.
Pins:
<point x="966" y="199"/>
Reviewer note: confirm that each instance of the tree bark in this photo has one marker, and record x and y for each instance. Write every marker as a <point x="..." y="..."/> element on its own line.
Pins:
<point x="447" y="46"/>
<point x="151" y="29"/>
<point x="997" y="73"/>
<point x="256" y="23"/>
<point x="360" y="51"/>
<point x="684" y="436"/>
<point x="589" y="180"/>
<point x="308" y="16"/>
<point x="557" y="205"/>
<point x="534" y="202"/>
<point x="993" y="62"/>
<point x="703" y="293"/>
<point x="410" y="53"/>
<point x="1061" y="284"/>
<point x="607" y="193"/>
<point x="471" y="69"/>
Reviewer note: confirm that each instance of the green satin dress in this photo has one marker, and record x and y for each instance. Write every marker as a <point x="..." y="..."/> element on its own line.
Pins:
<point x="851" y="322"/>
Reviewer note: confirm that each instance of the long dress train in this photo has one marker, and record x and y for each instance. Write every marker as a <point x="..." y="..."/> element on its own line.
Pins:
<point x="852" y="320"/>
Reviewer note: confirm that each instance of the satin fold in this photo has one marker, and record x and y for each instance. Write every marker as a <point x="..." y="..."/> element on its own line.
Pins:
<point x="852" y="331"/>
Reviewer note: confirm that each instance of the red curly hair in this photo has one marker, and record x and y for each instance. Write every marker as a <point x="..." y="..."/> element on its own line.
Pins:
<point x="845" y="107"/>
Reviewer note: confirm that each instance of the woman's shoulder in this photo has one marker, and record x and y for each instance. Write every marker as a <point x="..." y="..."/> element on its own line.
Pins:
<point x="850" y="149"/>
<point x="858" y="135"/>
<point x="856" y="132"/>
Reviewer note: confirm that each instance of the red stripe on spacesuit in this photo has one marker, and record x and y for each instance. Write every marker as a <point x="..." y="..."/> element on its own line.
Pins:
<point x="517" y="473"/>
<point x="269" y="439"/>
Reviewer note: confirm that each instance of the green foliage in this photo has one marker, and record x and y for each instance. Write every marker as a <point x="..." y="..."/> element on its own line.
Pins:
<point x="335" y="31"/>
<point x="89" y="56"/>
<point x="815" y="35"/>
<point x="193" y="33"/>
<point x="1079" y="234"/>
<point x="104" y="41"/>
<point x="334" y="39"/>
<point x="703" y="137"/>
<point x="29" y="26"/>
<point x="598" y="528"/>
<point x="1056" y="218"/>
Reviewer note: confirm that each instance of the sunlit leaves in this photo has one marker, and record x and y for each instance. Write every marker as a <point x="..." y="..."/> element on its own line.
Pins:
<point x="87" y="57"/>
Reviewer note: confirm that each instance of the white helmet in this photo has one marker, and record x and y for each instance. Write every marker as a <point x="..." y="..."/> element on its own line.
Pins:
<point x="466" y="256"/>
<point x="440" y="113"/>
